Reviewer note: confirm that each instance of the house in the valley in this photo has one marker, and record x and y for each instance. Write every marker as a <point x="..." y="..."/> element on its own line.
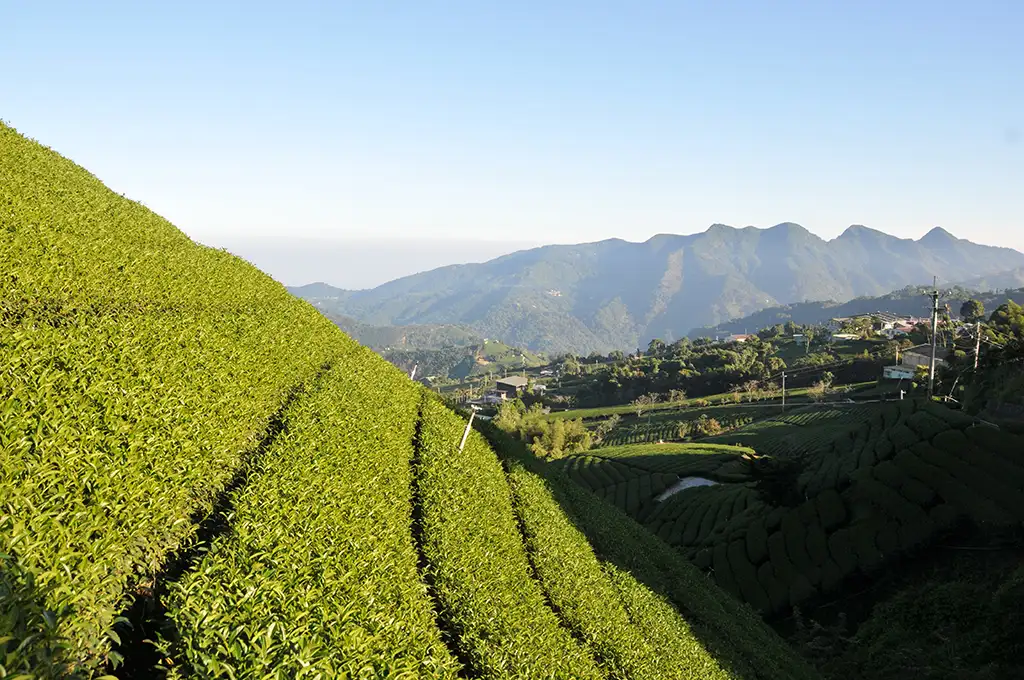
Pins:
<point x="898" y="372"/>
<point x="512" y="386"/>
<point x="921" y="357"/>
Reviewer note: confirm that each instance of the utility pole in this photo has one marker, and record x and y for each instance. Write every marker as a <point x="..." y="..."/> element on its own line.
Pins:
<point x="935" y="338"/>
<point x="977" y="346"/>
<point x="412" y="375"/>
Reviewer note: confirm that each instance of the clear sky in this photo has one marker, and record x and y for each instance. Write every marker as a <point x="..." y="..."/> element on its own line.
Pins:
<point x="533" y="121"/>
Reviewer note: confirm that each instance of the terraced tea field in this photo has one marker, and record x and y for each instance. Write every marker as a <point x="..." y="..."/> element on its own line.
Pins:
<point x="203" y="477"/>
<point x="631" y="477"/>
<point x="878" y="482"/>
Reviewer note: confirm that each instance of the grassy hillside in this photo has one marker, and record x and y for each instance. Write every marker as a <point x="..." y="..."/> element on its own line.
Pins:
<point x="203" y="477"/>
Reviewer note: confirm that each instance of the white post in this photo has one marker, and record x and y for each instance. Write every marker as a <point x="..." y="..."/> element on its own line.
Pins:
<point x="412" y="374"/>
<point x="783" y="391"/>
<point x="977" y="347"/>
<point x="469" y="424"/>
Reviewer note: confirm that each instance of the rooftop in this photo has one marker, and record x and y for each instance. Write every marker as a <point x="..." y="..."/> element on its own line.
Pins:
<point x="513" y="381"/>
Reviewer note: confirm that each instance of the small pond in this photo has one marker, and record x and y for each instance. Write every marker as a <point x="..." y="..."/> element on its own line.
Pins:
<point x="684" y="483"/>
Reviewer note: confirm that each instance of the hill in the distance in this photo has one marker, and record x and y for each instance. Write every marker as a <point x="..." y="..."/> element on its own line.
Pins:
<point x="616" y="294"/>
<point x="910" y="301"/>
<point x="1008" y="280"/>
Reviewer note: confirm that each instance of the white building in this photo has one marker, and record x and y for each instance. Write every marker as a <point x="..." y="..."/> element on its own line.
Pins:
<point x="898" y="373"/>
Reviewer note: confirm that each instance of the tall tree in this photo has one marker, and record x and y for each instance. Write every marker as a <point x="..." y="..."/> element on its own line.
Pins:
<point x="1008" y="321"/>
<point x="972" y="311"/>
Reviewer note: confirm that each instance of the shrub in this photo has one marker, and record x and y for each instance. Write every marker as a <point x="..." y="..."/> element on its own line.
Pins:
<point x="478" y="563"/>
<point x="840" y="547"/>
<point x="889" y="502"/>
<point x="784" y="569"/>
<point x="757" y="542"/>
<point x="817" y="544"/>
<point x="333" y="499"/>
<point x="801" y="590"/>
<point x="1005" y="496"/>
<point x="925" y="425"/>
<point x="917" y="492"/>
<point x="574" y="582"/>
<point x="738" y="638"/>
<point x="796" y="541"/>
<point x="778" y="592"/>
<point x="661" y="626"/>
<point x="831" y="509"/>
<point x="745" y="575"/>
<point x="138" y="371"/>
<point x="723" y="571"/>
<point x="966" y="499"/>
<point x="902" y="437"/>
<point x="999" y="442"/>
<point x="862" y="537"/>
<point x="890" y="475"/>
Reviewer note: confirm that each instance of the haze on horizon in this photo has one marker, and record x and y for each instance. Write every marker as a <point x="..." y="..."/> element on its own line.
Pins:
<point x="271" y="124"/>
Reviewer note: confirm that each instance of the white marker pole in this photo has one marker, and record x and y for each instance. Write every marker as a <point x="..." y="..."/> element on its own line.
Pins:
<point x="783" y="391"/>
<point x="465" y="435"/>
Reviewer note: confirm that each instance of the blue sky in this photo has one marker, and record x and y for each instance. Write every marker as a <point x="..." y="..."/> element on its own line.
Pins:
<point x="533" y="121"/>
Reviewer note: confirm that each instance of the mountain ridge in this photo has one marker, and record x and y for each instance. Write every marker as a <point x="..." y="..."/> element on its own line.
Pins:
<point x="616" y="294"/>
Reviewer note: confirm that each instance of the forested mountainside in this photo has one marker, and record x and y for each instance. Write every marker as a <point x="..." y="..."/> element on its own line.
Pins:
<point x="616" y="294"/>
<point x="1008" y="280"/>
<point x="204" y="477"/>
<point x="416" y="336"/>
<point x="910" y="301"/>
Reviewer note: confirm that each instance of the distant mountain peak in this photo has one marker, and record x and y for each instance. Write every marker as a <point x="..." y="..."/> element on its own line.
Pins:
<point x="861" y="231"/>
<point x="938" y="236"/>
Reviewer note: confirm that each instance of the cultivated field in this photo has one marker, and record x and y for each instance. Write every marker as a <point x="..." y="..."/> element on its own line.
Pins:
<point x="203" y="477"/>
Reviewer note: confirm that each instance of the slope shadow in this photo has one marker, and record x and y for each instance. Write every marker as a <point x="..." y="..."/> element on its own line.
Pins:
<point x="733" y="632"/>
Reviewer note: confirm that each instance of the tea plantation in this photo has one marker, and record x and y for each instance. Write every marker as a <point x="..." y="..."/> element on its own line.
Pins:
<point x="200" y="476"/>
<point x="876" y="484"/>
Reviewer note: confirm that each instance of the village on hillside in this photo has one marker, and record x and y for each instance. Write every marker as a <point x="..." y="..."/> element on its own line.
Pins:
<point x="908" y="336"/>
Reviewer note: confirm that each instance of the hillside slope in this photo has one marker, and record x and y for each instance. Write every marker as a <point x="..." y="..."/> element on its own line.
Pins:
<point x="192" y="457"/>
<point x="614" y="294"/>
<point x="911" y="301"/>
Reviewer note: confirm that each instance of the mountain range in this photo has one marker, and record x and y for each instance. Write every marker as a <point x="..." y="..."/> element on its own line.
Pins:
<point x="616" y="294"/>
